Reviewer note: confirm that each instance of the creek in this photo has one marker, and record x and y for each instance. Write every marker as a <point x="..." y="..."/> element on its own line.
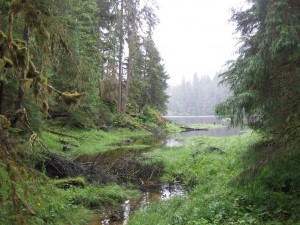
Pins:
<point x="152" y="192"/>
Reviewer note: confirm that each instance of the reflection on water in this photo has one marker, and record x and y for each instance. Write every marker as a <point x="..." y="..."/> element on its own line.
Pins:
<point x="190" y="120"/>
<point x="153" y="193"/>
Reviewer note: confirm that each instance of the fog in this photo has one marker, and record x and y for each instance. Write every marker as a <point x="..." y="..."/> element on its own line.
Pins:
<point x="195" y="36"/>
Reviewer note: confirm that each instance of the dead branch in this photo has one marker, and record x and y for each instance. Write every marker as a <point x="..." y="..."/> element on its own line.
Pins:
<point x="63" y="134"/>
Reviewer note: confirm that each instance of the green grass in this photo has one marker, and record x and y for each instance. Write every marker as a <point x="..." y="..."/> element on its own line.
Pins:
<point x="101" y="197"/>
<point x="217" y="196"/>
<point x="90" y="141"/>
<point x="59" y="206"/>
<point x="173" y="127"/>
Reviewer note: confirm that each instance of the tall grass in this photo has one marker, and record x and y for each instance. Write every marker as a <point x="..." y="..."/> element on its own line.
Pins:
<point x="217" y="195"/>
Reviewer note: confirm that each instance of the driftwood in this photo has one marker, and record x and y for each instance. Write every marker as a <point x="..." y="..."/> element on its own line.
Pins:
<point x="136" y="169"/>
<point x="188" y="129"/>
<point x="59" y="167"/>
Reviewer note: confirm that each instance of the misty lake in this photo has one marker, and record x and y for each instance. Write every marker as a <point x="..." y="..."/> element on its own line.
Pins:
<point x="193" y="120"/>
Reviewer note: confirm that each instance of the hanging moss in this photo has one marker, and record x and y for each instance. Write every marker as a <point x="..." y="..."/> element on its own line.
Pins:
<point x="44" y="32"/>
<point x="2" y="63"/>
<point x="26" y="83"/>
<point x="3" y="37"/>
<point x="32" y="72"/>
<point x="16" y="5"/>
<point x="44" y="81"/>
<point x="19" y="54"/>
<point x="72" y="98"/>
<point x="4" y="122"/>
<point x="45" y="107"/>
<point x="7" y="63"/>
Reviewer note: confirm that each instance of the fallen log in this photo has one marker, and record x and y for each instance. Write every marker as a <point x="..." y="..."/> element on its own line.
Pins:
<point x="56" y="166"/>
<point x="188" y="129"/>
<point x="63" y="134"/>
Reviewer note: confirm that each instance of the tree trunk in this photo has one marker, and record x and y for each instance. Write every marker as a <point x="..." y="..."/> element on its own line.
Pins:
<point x="127" y="85"/>
<point x="121" y="42"/>
<point x="1" y="94"/>
<point x="20" y="97"/>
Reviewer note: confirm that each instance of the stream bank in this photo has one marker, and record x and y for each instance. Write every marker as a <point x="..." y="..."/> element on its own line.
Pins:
<point x="122" y="154"/>
<point x="152" y="192"/>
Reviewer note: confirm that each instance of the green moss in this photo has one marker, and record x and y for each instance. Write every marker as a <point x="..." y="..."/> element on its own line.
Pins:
<point x="1" y="63"/>
<point x="7" y="63"/>
<point x="4" y="122"/>
<point x="72" y="98"/>
<point x="16" y="5"/>
<point x="32" y="72"/>
<point x="44" y="80"/>
<point x="3" y="37"/>
<point x="44" y="32"/>
<point x="173" y="128"/>
<point x="70" y="182"/>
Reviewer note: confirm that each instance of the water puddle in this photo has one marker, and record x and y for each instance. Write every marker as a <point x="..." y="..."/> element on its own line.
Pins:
<point x="153" y="193"/>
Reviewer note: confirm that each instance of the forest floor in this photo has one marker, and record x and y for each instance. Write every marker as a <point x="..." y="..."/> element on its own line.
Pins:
<point x="214" y="171"/>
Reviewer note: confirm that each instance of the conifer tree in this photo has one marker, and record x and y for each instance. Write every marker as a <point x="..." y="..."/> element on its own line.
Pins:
<point x="265" y="78"/>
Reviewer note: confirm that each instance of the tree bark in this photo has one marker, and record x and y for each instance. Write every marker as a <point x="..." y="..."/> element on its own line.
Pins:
<point x="1" y="94"/>
<point x="20" y="97"/>
<point x="121" y="47"/>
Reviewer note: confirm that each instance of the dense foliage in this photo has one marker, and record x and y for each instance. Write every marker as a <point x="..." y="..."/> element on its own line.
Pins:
<point x="198" y="97"/>
<point x="87" y="63"/>
<point x="265" y="79"/>
<point x="98" y="53"/>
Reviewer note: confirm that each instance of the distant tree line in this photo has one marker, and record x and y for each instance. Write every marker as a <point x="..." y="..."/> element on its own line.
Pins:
<point x="196" y="97"/>
<point x="55" y="54"/>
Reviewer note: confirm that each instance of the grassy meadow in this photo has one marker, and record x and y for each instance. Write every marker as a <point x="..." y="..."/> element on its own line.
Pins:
<point x="221" y="189"/>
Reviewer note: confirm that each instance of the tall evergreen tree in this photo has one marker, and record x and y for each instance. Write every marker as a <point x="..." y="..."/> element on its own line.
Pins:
<point x="265" y="78"/>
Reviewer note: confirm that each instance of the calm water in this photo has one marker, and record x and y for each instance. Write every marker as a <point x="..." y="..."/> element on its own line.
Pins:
<point x="190" y="120"/>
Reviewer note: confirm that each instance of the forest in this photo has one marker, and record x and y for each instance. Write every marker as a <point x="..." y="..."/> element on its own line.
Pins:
<point x="58" y="53"/>
<point x="82" y="139"/>
<point x="197" y="97"/>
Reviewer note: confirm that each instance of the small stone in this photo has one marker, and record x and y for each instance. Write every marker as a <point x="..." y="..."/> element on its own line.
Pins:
<point x="115" y="217"/>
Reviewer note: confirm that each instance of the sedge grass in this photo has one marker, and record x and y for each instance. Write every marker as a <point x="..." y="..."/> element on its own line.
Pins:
<point x="217" y="196"/>
<point x="89" y="141"/>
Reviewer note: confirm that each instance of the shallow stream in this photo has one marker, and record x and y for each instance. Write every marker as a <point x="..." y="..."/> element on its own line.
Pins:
<point x="152" y="192"/>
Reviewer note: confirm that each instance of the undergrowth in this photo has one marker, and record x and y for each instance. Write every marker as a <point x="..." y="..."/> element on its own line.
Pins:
<point x="212" y="171"/>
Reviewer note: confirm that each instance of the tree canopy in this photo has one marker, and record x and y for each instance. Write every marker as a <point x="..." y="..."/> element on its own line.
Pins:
<point x="265" y="79"/>
<point x="99" y="53"/>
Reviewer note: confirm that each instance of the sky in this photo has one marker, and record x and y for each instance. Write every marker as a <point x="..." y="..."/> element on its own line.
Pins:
<point x="195" y="36"/>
